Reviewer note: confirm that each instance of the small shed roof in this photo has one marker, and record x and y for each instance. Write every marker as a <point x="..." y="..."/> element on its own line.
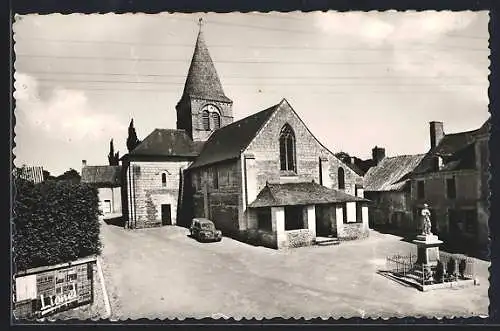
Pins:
<point x="303" y="193"/>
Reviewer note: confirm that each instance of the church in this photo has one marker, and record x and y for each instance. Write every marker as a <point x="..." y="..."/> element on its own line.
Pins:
<point x="264" y="179"/>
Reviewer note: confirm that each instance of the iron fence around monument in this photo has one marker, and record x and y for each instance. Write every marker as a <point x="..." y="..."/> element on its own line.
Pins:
<point x="401" y="264"/>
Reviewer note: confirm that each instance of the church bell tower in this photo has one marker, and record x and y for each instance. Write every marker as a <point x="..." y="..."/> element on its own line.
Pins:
<point x="203" y="107"/>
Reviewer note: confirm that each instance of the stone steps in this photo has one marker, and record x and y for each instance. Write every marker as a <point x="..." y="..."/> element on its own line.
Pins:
<point x="327" y="241"/>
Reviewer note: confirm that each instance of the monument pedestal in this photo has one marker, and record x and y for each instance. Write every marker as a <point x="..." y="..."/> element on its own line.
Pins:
<point x="427" y="249"/>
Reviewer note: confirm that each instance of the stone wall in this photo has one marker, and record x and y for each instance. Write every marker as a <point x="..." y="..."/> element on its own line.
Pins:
<point x="217" y="195"/>
<point x="299" y="238"/>
<point x="147" y="192"/>
<point x="351" y="231"/>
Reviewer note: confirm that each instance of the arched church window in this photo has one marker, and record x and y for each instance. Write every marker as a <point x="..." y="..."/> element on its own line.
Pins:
<point x="341" y="178"/>
<point x="216" y="120"/>
<point x="206" y="120"/>
<point x="287" y="149"/>
<point x="163" y="179"/>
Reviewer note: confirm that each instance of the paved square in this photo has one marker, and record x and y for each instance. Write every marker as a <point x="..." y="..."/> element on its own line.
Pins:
<point x="161" y="273"/>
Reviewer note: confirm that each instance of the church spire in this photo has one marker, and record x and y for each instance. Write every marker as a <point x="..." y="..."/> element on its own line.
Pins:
<point x="202" y="80"/>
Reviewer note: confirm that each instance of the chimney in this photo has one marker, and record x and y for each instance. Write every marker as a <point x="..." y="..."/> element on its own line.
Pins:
<point x="437" y="132"/>
<point x="378" y="154"/>
<point x="353" y="160"/>
<point x="84" y="163"/>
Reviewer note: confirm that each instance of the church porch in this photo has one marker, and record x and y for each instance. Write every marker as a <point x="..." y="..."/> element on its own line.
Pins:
<point x="299" y="214"/>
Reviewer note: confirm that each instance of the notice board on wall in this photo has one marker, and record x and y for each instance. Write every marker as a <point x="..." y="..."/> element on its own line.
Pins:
<point x="44" y="291"/>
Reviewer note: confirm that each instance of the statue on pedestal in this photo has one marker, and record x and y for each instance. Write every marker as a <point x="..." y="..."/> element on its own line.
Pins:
<point x="426" y="220"/>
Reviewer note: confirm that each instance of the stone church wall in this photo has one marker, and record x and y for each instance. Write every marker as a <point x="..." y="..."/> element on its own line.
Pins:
<point x="265" y="149"/>
<point x="147" y="192"/>
<point x="217" y="190"/>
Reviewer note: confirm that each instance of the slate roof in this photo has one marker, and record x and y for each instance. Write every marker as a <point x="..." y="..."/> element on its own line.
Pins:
<point x="303" y="193"/>
<point x="102" y="176"/>
<point x="202" y="80"/>
<point x="166" y="142"/>
<point x="392" y="173"/>
<point x="456" y="150"/>
<point x="229" y="141"/>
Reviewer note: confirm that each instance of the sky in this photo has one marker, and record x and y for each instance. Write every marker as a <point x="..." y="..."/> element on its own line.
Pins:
<point x="357" y="79"/>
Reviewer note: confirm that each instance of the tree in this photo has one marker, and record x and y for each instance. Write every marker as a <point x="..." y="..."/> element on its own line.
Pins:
<point x="47" y="175"/>
<point x="343" y="156"/>
<point x="132" y="140"/>
<point x="71" y="175"/>
<point x="113" y="157"/>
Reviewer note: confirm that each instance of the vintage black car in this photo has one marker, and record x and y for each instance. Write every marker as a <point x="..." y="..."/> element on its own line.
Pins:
<point x="203" y="229"/>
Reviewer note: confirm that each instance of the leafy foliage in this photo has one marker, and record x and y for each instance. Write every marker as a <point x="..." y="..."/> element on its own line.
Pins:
<point x="439" y="273"/>
<point x="451" y="267"/>
<point x="132" y="140"/>
<point x="113" y="158"/>
<point x="461" y="267"/>
<point x="54" y="222"/>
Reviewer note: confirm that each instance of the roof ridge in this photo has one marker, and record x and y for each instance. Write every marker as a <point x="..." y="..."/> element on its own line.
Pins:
<point x="247" y="117"/>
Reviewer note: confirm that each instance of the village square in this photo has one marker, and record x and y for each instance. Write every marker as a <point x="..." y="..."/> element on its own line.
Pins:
<point x="224" y="215"/>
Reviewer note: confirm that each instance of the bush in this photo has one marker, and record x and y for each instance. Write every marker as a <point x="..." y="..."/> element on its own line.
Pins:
<point x="439" y="273"/>
<point x="461" y="268"/>
<point x="54" y="222"/>
<point x="451" y="267"/>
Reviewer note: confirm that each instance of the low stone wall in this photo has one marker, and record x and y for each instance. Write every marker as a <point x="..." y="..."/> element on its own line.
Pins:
<point x="260" y="238"/>
<point x="351" y="231"/>
<point x="299" y="238"/>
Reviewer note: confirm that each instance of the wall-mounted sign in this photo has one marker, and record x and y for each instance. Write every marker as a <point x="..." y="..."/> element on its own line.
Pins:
<point x="45" y="291"/>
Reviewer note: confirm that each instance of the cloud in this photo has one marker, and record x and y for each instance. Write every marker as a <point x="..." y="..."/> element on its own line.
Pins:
<point x="393" y="27"/>
<point x="65" y="114"/>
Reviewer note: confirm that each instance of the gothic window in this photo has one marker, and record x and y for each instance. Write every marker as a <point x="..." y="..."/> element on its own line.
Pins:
<point x="287" y="149"/>
<point x="216" y="120"/>
<point x="341" y="178"/>
<point x="206" y="120"/>
<point x="163" y="179"/>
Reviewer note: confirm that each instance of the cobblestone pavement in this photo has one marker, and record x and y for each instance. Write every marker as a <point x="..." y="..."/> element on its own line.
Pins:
<point x="162" y="273"/>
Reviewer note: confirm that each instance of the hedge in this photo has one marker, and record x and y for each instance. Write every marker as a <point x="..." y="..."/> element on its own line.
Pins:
<point x="54" y="222"/>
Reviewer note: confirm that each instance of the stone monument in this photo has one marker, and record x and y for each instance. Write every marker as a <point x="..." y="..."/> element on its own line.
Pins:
<point x="427" y="243"/>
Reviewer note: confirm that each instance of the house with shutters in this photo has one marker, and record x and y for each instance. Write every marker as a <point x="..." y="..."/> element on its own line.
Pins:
<point x="452" y="179"/>
<point x="265" y="179"/>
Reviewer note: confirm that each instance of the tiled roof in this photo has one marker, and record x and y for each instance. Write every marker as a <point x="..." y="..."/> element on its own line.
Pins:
<point x="456" y="150"/>
<point x="304" y="193"/>
<point x="392" y="173"/>
<point x="229" y="141"/>
<point x="202" y="80"/>
<point x="166" y="142"/>
<point x="103" y="176"/>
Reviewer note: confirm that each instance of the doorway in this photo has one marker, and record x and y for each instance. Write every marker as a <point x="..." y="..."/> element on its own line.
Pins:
<point x="166" y="215"/>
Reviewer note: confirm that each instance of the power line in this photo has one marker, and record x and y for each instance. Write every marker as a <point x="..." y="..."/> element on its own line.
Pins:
<point x="103" y="58"/>
<point x="35" y="72"/>
<point x="264" y="91"/>
<point x="287" y="47"/>
<point x="260" y="83"/>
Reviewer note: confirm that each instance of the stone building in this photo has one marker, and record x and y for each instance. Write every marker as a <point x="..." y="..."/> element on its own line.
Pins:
<point x="264" y="179"/>
<point x="107" y="179"/>
<point x="388" y="186"/>
<point x="453" y="179"/>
